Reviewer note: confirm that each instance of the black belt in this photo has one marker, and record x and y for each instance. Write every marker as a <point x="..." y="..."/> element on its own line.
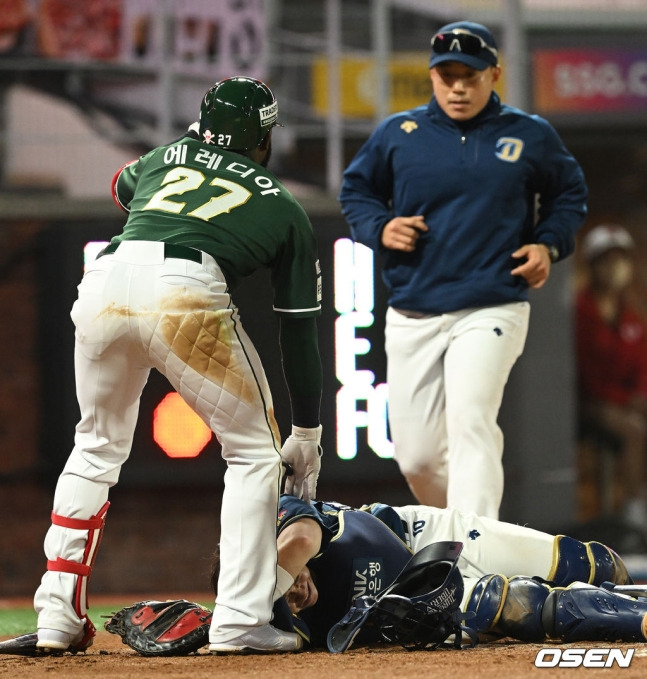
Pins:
<point x="171" y="250"/>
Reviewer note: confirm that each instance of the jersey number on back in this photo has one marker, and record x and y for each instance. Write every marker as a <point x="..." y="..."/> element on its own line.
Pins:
<point x="179" y="180"/>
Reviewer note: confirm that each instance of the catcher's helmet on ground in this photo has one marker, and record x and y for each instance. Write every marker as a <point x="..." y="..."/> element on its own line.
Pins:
<point x="237" y="113"/>
<point x="420" y="609"/>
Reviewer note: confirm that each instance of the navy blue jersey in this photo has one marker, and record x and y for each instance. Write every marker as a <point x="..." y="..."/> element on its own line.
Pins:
<point x="475" y="184"/>
<point x="360" y="554"/>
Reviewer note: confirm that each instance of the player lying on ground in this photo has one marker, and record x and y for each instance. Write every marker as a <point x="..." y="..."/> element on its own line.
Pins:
<point x="516" y="581"/>
<point x="336" y="554"/>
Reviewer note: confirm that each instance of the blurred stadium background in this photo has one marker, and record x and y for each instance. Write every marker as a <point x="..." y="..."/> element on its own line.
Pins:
<point x="87" y="85"/>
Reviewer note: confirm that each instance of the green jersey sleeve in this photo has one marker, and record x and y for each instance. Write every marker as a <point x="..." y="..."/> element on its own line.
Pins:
<point x="125" y="181"/>
<point x="296" y="274"/>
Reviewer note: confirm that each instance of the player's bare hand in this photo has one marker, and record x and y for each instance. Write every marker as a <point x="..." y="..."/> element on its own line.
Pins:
<point x="536" y="267"/>
<point x="302" y="453"/>
<point x="402" y="233"/>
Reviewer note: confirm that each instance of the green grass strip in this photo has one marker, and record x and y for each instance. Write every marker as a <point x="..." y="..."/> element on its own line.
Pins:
<point x="17" y="621"/>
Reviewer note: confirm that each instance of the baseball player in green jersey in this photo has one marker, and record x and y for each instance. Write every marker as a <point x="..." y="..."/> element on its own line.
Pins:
<point x="202" y="214"/>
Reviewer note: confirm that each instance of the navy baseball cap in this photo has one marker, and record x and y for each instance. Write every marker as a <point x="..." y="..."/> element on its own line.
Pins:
<point x="465" y="41"/>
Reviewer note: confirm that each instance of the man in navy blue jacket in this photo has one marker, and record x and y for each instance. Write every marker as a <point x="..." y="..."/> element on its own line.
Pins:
<point x="469" y="202"/>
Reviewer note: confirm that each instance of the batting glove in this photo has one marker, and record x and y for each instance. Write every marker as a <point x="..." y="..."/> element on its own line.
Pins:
<point x="302" y="453"/>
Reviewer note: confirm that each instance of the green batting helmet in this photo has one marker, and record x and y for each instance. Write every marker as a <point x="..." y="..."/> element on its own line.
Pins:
<point x="237" y="113"/>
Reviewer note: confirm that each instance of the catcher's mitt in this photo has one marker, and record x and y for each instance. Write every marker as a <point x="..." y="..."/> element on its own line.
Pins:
<point x="162" y="628"/>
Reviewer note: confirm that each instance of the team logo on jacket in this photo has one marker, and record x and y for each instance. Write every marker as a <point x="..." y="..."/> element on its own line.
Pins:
<point x="509" y="149"/>
<point x="409" y="126"/>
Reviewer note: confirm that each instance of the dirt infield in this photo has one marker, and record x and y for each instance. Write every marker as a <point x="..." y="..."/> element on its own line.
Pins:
<point x="110" y="659"/>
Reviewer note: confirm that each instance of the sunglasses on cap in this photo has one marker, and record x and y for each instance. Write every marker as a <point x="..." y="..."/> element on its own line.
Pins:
<point x="465" y="42"/>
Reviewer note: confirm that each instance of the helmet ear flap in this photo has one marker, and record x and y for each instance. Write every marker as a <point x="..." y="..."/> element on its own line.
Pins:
<point x="263" y="144"/>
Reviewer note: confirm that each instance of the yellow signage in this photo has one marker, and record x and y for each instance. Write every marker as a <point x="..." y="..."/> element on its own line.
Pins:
<point x="409" y="84"/>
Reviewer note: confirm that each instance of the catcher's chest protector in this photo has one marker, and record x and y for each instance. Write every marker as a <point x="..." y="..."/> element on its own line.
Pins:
<point x="363" y="558"/>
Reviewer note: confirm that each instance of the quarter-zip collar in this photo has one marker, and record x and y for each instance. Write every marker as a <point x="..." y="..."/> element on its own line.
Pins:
<point x="492" y="110"/>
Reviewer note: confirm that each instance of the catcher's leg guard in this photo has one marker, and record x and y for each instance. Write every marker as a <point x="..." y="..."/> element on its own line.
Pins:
<point x="521" y="614"/>
<point x="587" y="613"/>
<point x="94" y="526"/>
<point x="608" y="566"/>
<point x="508" y="607"/>
<point x="486" y="602"/>
<point x="590" y="562"/>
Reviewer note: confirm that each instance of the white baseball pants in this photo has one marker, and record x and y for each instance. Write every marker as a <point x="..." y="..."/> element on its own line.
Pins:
<point x="489" y="546"/>
<point x="446" y="375"/>
<point x="135" y="311"/>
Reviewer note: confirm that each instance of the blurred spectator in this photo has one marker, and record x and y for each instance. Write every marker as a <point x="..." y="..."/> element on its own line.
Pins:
<point x="79" y="29"/>
<point x="15" y="19"/>
<point x="612" y="361"/>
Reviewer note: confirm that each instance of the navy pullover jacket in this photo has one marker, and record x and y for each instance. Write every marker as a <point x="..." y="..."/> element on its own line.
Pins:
<point x="477" y="185"/>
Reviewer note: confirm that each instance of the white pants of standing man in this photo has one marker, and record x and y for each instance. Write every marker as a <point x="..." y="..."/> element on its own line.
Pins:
<point x="446" y="375"/>
<point x="138" y="310"/>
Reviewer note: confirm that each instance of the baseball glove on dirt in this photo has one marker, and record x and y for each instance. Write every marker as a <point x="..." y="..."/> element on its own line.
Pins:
<point x="162" y="628"/>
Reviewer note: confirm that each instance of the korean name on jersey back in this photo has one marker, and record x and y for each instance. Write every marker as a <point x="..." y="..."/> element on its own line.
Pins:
<point x="212" y="160"/>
